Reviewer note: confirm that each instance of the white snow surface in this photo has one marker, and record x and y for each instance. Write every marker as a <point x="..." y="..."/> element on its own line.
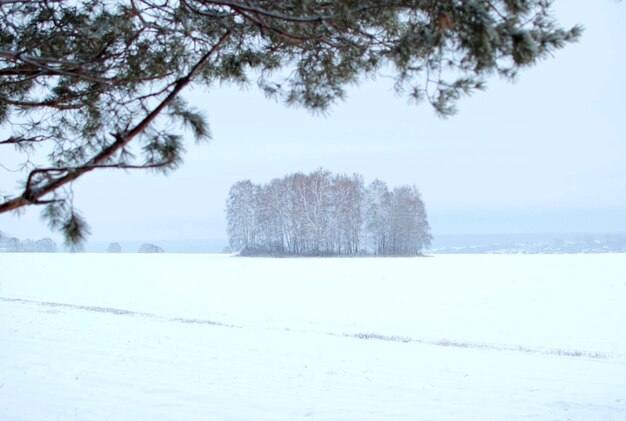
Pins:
<point x="207" y="337"/>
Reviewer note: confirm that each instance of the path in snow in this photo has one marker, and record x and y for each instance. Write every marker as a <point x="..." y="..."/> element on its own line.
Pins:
<point x="361" y="335"/>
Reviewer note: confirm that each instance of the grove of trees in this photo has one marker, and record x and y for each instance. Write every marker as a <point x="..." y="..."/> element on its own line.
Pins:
<point x="94" y="85"/>
<point x="322" y="214"/>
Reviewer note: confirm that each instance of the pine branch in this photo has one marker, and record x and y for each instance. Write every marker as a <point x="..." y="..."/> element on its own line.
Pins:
<point x="33" y="194"/>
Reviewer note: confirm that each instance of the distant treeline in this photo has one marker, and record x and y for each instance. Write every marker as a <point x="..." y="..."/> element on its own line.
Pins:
<point x="322" y="214"/>
<point x="531" y="244"/>
<point x="144" y="248"/>
<point x="47" y="245"/>
<point x="15" y="245"/>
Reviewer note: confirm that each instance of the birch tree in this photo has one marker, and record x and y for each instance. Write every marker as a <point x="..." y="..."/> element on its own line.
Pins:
<point x="241" y="211"/>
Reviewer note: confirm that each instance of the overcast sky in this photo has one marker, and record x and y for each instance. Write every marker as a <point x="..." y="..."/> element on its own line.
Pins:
<point x="544" y="154"/>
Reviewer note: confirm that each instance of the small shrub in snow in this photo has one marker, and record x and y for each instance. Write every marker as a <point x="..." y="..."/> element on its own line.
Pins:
<point x="114" y="248"/>
<point x="150" y="248"/>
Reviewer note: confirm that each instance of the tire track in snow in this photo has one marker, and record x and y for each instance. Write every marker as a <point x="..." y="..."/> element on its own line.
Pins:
<point x="562" y="352"/>
<point x="119" y="312"/>
<point x="361" y="336"/>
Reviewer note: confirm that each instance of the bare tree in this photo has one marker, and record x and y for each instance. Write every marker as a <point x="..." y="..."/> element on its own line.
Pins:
<point x="242" y="215"/>
<point x="409" y="231"/>
<point x="114" y="248"/>
<point x="378" y="216"/>
<point x="347" y="197"/>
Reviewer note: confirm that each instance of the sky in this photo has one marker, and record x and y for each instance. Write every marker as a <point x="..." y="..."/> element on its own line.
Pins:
<point x="546" y="153"/>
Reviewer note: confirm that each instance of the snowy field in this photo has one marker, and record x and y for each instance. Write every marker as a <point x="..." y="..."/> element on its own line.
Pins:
<point x="202" y="337"/>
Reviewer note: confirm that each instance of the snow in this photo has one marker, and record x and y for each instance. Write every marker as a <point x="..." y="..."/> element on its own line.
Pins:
<point x="208" y="337"/>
